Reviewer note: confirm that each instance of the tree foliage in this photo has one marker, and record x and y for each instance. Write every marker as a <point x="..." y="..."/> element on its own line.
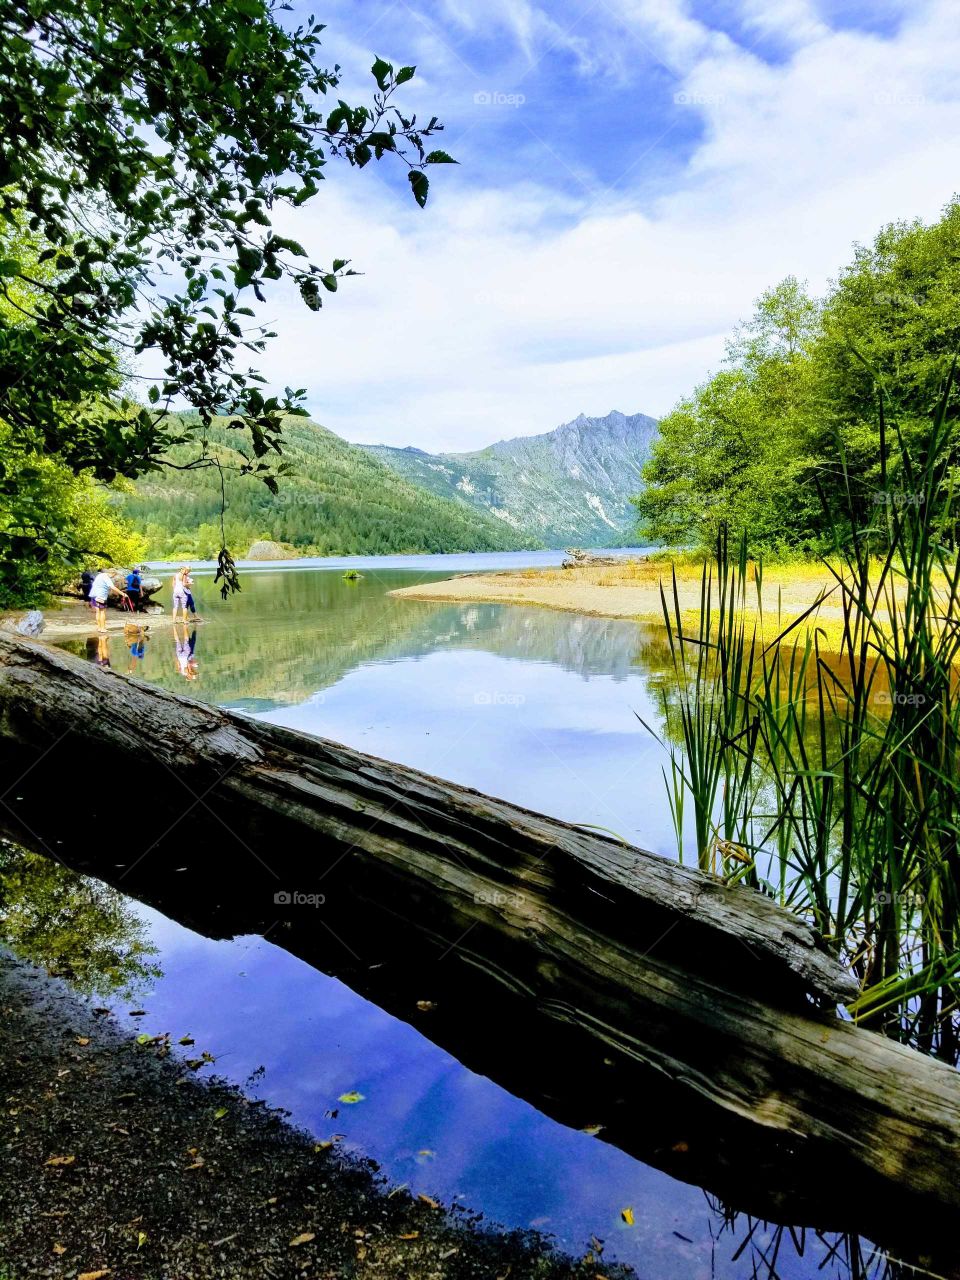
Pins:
<point x="785" y="442"/>
<point x="145" y="151"/>
<point x="732" y="452"/>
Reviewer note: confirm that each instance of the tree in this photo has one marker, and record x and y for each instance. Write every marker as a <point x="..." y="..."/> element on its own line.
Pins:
<point x="51" y="520"/>
<point x="145" y="148"/>
<point x="732" y="453"/>
<point x="891" y="329"/>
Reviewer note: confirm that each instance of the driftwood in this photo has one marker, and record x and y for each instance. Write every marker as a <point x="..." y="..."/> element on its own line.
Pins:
<point x="580" y="559"/>
<point x="602" y="982"/>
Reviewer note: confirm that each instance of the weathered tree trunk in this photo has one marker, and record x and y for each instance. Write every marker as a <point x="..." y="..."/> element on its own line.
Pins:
<point x="552" y="940"/>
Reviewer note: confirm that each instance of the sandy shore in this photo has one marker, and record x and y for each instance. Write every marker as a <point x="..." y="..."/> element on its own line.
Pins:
<point x="76" y="619"/>
<point x="632" y="590"/>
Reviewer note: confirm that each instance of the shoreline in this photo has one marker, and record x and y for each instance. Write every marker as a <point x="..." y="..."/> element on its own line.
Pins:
<point x="631" y="592"/>
<point x="75" y="620"/>
<point x="121" y="1159"/>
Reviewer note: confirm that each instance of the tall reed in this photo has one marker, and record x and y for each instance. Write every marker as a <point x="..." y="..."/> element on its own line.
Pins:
<point x="829" y="779"/>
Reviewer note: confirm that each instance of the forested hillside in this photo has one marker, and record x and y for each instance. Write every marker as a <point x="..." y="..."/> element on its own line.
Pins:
<point x="336" y="500"/>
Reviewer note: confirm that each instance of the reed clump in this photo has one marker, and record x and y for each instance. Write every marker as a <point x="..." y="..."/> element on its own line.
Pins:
<point x="825" y="770"/>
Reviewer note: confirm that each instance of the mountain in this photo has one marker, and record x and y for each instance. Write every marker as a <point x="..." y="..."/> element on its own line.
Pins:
<point x="338" y="499"/>
<point x="571" y="486"/>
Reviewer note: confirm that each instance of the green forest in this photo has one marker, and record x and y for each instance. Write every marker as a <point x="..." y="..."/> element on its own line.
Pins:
<point x="783" y="444"/>
<point x="333" y="499"/>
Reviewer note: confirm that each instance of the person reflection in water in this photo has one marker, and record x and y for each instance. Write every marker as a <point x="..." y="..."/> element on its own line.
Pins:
<point x="98" y="649"/>
<point x="136" y="641"/>
<point x="185" y="644"/>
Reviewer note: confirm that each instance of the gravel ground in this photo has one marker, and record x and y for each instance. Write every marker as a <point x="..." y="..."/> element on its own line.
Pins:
<point x="120" y="1162"/>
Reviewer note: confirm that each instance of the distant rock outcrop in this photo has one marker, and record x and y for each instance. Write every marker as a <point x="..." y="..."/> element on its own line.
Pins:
<point x="266" y="550"/>
<point x="573" y="484"/>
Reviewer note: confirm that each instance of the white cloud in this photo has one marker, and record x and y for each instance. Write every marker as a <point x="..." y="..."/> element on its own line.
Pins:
<point x="498" y="313"/>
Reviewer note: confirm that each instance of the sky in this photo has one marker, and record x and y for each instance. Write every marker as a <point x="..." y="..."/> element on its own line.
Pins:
<point x="633" y="174"/>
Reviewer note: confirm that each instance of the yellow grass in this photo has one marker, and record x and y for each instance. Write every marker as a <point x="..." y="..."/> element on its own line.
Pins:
<point x="631" y="590"/>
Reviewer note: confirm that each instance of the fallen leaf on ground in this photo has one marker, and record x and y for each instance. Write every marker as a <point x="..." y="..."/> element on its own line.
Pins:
<point x="627" y="1216"/>
<point x="59" y="1248"/>
<point x="426" y="1006"/>
<point x="434" y="1204"/>
<point x="61" y="1160"/>
<point x="220" y="1113"/>
<point x="351" y="1097"/>
<point x="304" y="1238"/>
<point x="83" y="1039"/>
<point x="94" y="1275"/>
<point x="409" y="1235"/>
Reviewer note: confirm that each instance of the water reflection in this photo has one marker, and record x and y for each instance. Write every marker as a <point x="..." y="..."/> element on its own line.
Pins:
<point x="187" y="663"/>
<point x="291" y="634"/>
<point x="445" y="1130"/>
<point x="535" y="706"/>
<point x="73" y="926"/>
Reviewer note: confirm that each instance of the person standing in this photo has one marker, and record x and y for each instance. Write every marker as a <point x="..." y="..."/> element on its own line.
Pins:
<point x="135" y="589"/>
<point x="101" y="589"/>
<point x="181" y="592"/>
<point x="188" y="585"/>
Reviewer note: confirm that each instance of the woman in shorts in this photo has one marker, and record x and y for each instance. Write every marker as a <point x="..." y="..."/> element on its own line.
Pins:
<point x="181" y="592"/>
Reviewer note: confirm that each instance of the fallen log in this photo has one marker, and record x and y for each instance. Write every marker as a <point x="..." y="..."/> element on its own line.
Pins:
<point x="578" y="944"/>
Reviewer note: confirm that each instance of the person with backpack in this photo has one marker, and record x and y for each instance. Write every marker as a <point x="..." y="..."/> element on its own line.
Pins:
<point x="135" y="589"/>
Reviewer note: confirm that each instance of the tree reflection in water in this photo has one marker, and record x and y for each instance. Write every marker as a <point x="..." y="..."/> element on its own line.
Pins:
<point x="72" y="926"/>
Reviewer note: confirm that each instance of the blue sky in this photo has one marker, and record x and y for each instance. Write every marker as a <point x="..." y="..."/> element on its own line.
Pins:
<point x="633" y="173"/>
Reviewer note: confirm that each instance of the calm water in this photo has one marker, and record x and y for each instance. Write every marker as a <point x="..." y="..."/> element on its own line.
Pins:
<point x="535" y="706"/>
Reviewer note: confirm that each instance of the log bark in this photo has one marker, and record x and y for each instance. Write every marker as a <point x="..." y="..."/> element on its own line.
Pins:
<point x="648" y="976"/>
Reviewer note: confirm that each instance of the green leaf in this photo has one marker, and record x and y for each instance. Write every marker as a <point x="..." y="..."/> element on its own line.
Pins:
<point x="291" y="246"/>
<point x="420" y="184"/>
<point x="440" y="157"/>
<point x="382" y="72"/>
<point x="405" y="74"/>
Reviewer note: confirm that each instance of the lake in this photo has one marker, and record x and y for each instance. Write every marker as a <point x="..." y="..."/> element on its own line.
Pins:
<point x="541" y="708"/>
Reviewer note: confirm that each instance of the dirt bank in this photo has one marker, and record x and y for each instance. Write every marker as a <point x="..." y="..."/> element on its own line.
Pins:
<point x="119" y="1162"/>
